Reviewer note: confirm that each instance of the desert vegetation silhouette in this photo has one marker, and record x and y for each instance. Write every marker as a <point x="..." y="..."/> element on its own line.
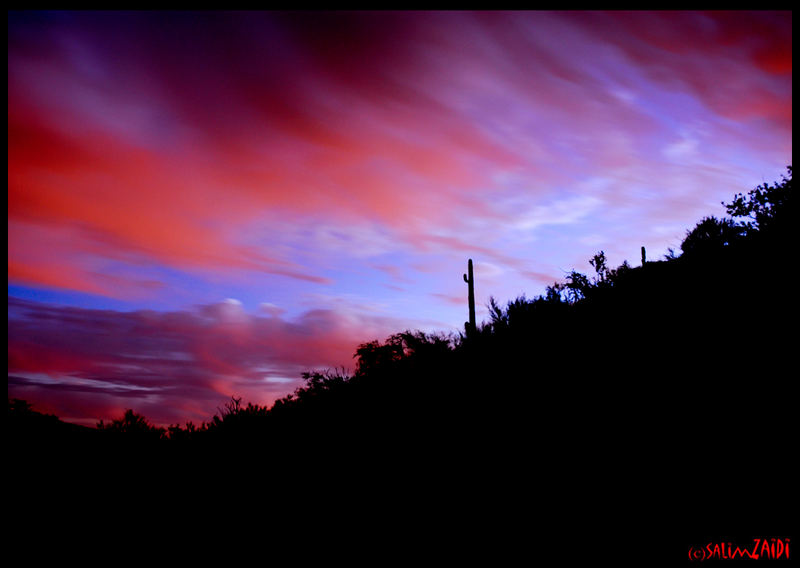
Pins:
<point x="686" y="310"/>
<point x="589" y="392"/>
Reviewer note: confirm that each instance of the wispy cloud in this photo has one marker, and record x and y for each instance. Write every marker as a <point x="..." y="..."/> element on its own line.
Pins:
<point x="158" y="362"/>
<point x="158" y="152"/>
<point x="166" y="158"/>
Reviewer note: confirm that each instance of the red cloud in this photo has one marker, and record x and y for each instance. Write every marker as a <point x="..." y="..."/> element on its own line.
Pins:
<point x="143" y="140"/>
<point x="82" y="364"/>
<point x="719" y="56"/>
<point x="198" y="129"/>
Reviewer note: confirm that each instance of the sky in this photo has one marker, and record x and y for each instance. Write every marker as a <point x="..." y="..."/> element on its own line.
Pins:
<point x="206" y="205"/>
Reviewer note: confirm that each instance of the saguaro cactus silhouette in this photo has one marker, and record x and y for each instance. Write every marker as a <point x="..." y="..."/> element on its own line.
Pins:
<point x="644" y="256"/>
<point x="470" y="280"/>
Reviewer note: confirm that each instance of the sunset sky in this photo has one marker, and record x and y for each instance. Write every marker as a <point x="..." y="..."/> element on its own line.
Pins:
<point x="205" y="205"/>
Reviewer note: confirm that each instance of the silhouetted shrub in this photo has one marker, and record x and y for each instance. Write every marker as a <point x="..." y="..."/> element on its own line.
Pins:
<point x="767" y="207"/>
<point x="133" y="427"/>
<point x="710" y="235"/>
<point x="587" y="364"/>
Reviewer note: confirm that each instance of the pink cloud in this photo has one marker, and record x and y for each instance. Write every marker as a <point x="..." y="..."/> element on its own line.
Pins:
<point x="172" y="366"/>
<point x="735" y="62"/>
<point x="175" y="204"/>
<point x="325" y="147"/>
<point x="197" y="128"/>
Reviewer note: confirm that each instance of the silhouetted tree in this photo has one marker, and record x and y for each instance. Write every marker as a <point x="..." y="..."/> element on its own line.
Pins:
<point x="18" y="407"/>
<point x="579" y="286"/>
<point x="23" y="420"/>
<point x="177" y="433"/>
<point x="133" y="426"/>
<point x="711" y="234"/>
<point x="237" y="422"/>
<point x="600" y="264"/>
<point x="765" y="207"/>
<point x="375" y="355"/>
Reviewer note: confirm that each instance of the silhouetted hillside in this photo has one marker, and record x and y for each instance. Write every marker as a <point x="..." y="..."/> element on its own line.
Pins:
<point x="23" y="423"/>
<point x="649" y="391"/>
